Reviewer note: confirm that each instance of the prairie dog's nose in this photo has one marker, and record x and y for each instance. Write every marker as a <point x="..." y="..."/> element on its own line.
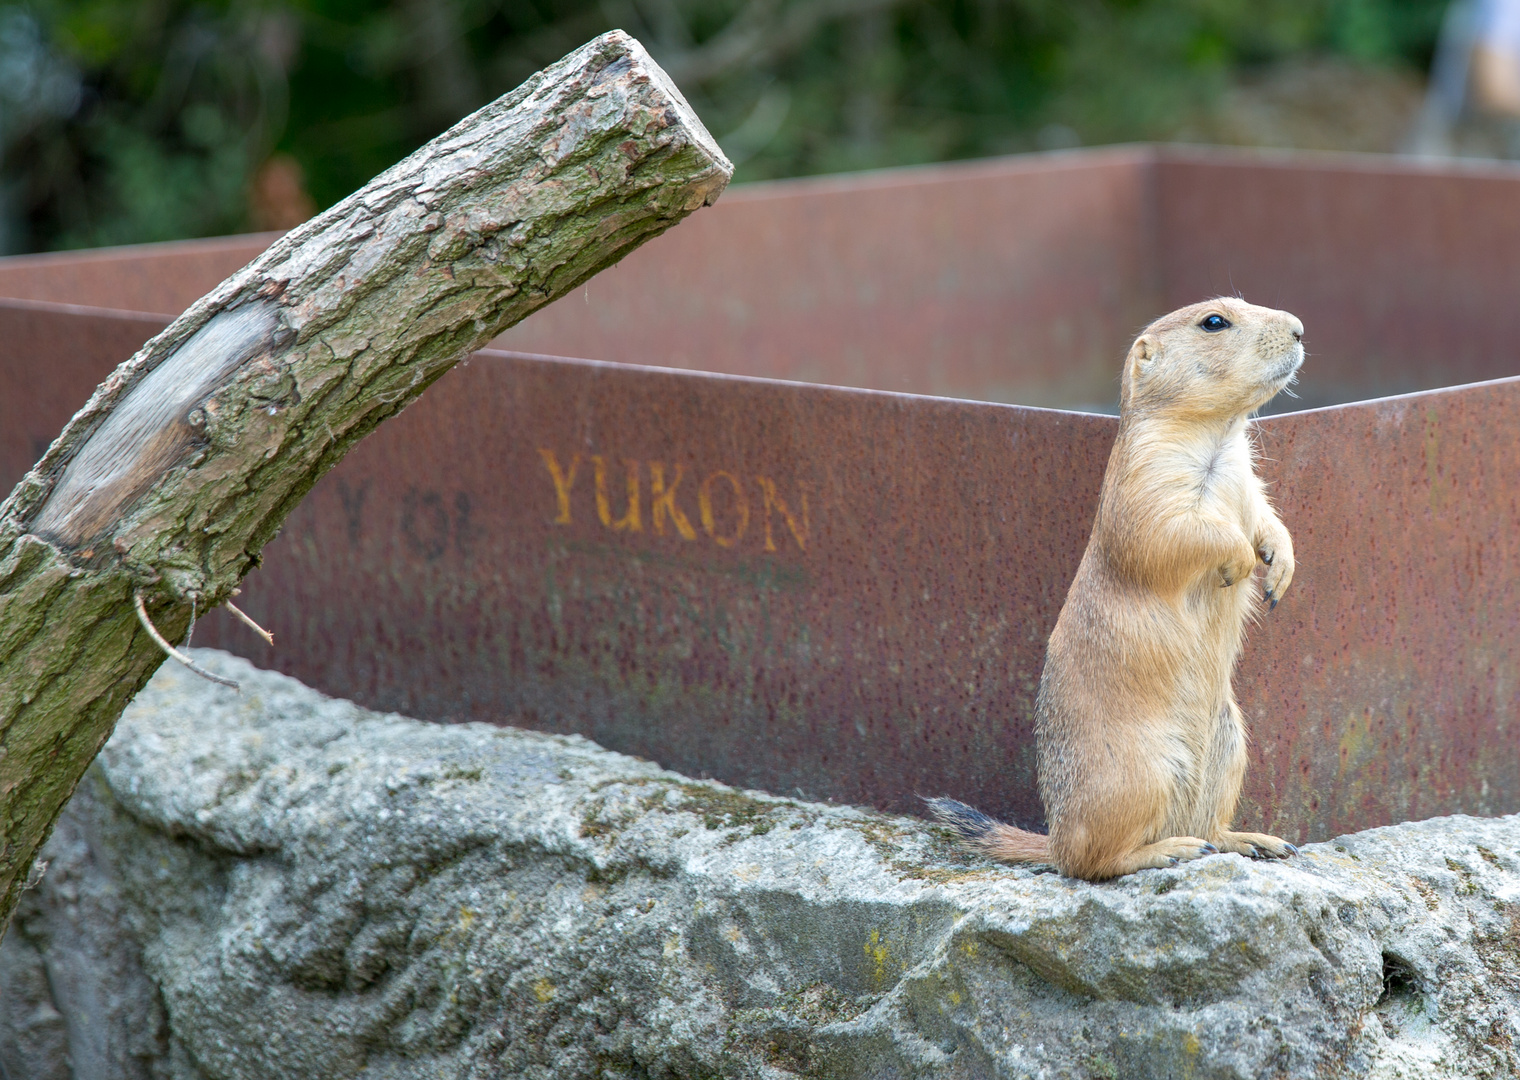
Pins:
<point x="1296" y="327"/>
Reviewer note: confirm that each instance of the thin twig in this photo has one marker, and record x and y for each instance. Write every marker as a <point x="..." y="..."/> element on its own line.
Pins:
<point x="255" y="627"/>
<point x="158" y="639"/>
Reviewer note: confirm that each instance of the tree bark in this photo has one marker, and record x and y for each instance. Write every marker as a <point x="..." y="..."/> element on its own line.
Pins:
<point x="186" y="460"/>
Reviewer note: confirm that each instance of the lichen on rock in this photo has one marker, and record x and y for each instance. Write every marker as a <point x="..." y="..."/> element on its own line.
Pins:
<point x="280" y="884"/>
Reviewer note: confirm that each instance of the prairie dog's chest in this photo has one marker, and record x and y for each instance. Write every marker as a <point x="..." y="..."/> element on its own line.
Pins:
<point x="1217" y="474"/>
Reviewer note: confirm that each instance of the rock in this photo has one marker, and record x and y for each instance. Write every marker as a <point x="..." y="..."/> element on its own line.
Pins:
<point x="284" y="885"/>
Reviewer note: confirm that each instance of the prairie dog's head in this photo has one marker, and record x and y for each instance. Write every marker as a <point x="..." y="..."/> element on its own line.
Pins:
<point x="1218" y="359"/>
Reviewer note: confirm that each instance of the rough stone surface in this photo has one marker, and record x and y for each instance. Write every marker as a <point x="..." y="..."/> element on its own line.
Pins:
<point x="285" y="885"/>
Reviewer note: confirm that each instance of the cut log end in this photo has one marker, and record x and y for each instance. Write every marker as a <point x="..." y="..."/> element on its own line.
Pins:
<point x="683" y="115"/>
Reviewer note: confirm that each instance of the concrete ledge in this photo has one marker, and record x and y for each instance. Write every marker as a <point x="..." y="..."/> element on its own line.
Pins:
<point x="280" y="884"/>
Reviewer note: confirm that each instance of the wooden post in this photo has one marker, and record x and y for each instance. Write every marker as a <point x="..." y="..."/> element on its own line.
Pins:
<point x="163" y="489"/>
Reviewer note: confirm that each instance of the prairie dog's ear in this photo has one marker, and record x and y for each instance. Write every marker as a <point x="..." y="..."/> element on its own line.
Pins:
<point x="1142" y="356"/>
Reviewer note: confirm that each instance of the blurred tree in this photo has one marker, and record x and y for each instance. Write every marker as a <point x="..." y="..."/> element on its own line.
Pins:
<point x="139" y="121"/>
<point x="131" y="120"/>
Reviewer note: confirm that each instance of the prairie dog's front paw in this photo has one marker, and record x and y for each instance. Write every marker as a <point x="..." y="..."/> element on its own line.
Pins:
<point x="1276" y="552"/>
<point x="1238" y="567"/>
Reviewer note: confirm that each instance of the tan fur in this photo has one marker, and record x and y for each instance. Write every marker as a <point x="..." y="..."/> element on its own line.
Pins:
<point x="1141" y="746"/>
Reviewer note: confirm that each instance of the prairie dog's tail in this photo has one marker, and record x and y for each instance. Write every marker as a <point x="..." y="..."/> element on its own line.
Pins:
<point x="983" y="834"/>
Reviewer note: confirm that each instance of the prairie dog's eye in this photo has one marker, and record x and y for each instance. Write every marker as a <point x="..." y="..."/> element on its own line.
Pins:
<point x="1214" y="323"/>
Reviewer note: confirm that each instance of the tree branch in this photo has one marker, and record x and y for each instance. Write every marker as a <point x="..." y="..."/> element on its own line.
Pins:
<point x="189" y="456"/>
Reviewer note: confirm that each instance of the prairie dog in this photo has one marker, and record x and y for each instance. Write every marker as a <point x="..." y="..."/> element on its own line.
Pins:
<point x="1141" y="748"/>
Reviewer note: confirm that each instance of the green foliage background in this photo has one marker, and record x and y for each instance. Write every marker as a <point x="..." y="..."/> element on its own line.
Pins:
<point x="135" y="120"/>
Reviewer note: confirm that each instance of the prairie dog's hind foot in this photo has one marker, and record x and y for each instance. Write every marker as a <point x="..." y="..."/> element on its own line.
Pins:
<point x="988" y="836"/>
<point x="1254" y="845"/>
<point x="1157" y="856"/>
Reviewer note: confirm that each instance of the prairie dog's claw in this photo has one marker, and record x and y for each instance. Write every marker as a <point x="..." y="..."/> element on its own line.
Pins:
<point x="1277" y="556"/>
<point x="1255" y="845"/>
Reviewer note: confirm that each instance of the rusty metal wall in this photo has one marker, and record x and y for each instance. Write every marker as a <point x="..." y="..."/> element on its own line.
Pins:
<point x="52" y="356"/>
<point x="479" y="557"/>
<point x="1016" y="280"/>
<point x="1386" y="686"/>
<point x="160" y="278"/>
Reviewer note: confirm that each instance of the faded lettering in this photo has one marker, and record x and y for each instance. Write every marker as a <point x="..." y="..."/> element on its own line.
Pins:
<point x="741" y="509"/>
<point x="631" y="518"/>
<point x="464" y="531"/>
<point x="562" y="482"/>
<point x="425" y="524"/>
<point x="662" y="501"/>
<point x="353" y="507"/>
<point x="724" y="502"/>
<point x="773" y="500"/>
